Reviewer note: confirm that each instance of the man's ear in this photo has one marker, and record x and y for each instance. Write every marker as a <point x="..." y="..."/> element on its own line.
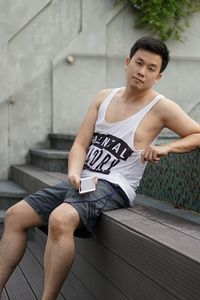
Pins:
<point x="159" y="77"/>
<point x="127" y="61"/>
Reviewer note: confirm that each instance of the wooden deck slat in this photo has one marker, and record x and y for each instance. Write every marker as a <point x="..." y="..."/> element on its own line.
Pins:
<point x="121" y="274"/>
<point x="34" y="273"/>
<point x="144" y="248"/>
<point x="4" y="295"/>
<point x="180" y="224"/>
<point x="68" y="290"/>
<point x="96" y="282"/>
<point x="72" y="287"/>
<point x="18" y="287"/>
<point x="156" y="231"/>
<point x="38" y="252"/>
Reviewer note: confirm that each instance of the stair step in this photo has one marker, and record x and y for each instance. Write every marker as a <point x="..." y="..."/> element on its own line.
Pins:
<point x="10" y="193"/>
<point x="33" y="178"/>
<point x="61" y="141"/>
<point x="50" y="159"/>
<point x="2" y="214"/>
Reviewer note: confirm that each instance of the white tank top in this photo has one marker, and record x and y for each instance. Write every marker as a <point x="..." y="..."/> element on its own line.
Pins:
<point x="111" y="155"/>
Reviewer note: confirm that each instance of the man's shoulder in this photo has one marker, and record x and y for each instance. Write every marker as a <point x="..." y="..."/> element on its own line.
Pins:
<point x="101" y="96"/>
<point x="166" y="103"/>
<point x="104" y="92"/>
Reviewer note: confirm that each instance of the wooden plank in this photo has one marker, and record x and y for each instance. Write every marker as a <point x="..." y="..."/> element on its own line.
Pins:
<point x="168" y="208"/>
<point x="4" y="295"/>
<point x="72" y="287"/>
<point x="38" y="252"/>
<point x="39" y="238"/>
<point x="172" y="270"/>
<point x="74" y="280"/>
<point x="176" y="222"/>
<point x="95" y="282"/>
<point x="129" y="280"/>
<point x="74" y="293"/>
<point x="147" y="257"/>
<point x="78" y="290"/>
<point x="18" y="288"/>
<point x="170" y="237"/>
<point x="33" y="271"/>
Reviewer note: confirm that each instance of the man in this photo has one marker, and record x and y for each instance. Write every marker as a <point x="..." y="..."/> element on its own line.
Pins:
<point x="113" y="145"/>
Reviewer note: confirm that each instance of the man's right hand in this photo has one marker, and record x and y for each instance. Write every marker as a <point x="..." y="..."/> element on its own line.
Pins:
<point x="74" y="180"/>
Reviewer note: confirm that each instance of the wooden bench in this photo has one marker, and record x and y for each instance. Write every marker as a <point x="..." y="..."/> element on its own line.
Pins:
<point x="139" y="253"/>
<point x="150" y="251"/>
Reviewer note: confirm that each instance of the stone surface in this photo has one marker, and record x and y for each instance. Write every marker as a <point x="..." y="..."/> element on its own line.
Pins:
<point x="42" y="92"/>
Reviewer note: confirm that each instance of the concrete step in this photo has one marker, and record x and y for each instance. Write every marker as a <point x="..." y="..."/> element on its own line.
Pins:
<point x="10" y="193"/>
<point x="33" y="178"/>
<point x="61" y="141"/>
<point x="49" y="159"/>
<point x="2" y="213"/>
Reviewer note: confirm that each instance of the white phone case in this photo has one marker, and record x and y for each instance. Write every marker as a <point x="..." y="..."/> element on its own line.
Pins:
<point x="87" y="185"/>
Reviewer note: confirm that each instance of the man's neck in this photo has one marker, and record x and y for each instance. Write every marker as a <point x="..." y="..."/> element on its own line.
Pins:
<point x="135" y="95"/>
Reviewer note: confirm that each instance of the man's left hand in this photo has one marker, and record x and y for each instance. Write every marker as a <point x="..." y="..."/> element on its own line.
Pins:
<point x="154" y="153"/>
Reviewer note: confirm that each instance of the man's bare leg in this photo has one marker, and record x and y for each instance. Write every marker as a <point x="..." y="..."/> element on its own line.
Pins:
<point x="19" y="218"/>
<point x="60" y="249"/>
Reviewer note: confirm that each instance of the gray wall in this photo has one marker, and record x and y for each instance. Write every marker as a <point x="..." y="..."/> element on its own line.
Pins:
<point x="42" y="92"/>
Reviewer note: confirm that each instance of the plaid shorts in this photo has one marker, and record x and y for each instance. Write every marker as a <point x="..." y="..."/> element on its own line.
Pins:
<point x="90" y="206"/>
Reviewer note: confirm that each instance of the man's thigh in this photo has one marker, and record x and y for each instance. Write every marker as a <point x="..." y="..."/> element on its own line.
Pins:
<point x="22" y="215"/>
<point x="48" y="199"/>
<point x="91" y="205"/>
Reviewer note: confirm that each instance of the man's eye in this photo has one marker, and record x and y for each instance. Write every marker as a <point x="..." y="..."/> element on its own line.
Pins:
<point x="150" y="69"/>
<point x="138" y="62"/>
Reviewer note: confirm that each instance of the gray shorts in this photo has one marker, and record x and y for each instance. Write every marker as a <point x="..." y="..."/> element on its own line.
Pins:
<point x="90" y="206"/>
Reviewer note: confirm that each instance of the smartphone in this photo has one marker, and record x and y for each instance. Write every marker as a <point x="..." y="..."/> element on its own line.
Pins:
<point x="87" y="185"/>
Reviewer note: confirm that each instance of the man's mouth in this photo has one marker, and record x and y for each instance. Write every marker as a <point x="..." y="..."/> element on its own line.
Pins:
<point x="137" y="79"/>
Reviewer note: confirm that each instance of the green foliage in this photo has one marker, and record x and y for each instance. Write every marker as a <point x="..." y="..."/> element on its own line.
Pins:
<point x="165" y="18"/>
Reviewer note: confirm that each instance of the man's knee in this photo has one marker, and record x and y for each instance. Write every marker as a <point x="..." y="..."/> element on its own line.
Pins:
<point x="22" y="216"/>
<point x="63" y="220"/>
<point x="12" y="216"/>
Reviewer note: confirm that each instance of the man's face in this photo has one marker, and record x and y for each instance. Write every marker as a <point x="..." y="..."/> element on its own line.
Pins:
<point x="143" y="69"/>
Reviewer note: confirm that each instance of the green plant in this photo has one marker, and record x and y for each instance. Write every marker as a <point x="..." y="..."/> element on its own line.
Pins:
<point x="165" y="18"/>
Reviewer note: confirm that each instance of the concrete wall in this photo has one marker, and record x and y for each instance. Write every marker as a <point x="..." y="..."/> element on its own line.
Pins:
<point x="42" y="92"/>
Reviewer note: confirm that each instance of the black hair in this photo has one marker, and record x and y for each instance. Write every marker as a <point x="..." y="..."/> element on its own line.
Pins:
<point x="153" y="45"/>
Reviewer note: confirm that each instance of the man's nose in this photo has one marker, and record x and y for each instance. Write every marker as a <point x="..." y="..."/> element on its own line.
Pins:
<point x="141" y="71"/>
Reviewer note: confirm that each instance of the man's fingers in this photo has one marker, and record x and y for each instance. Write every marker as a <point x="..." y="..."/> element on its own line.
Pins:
<point x="155" y="156"/>
<point x="96" y="180"/>
<point x="150" y="155"/>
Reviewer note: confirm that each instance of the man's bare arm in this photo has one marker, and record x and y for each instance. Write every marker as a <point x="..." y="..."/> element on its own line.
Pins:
<point x="178" y="121"/>
<point x="83" y="139"/>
